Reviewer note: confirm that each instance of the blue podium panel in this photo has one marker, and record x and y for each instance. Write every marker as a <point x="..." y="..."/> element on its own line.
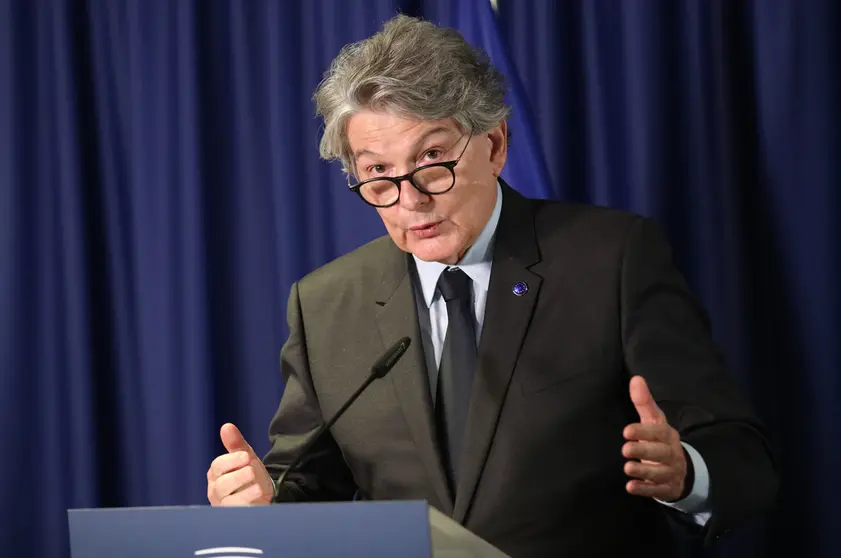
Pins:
<point x="312" y="530"/>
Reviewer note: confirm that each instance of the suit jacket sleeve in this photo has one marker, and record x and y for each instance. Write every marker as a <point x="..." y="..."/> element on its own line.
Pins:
<point x="323" y="475"/>
<point x="667" y="339"/>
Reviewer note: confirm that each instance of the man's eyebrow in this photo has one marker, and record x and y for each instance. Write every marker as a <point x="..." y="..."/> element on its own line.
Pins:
<point x="359" y="153"/>
<point x="437" y="130"/>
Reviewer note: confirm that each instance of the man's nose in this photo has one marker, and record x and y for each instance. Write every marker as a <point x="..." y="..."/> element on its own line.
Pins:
<point x="410" y="197"/>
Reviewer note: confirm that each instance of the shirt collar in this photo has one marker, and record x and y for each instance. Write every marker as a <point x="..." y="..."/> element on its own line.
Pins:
<point x="476" y="263"/>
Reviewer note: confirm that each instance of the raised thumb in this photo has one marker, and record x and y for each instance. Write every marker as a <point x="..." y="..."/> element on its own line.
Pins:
<point x="647" y="408"/>
<point x="233" y="440"/>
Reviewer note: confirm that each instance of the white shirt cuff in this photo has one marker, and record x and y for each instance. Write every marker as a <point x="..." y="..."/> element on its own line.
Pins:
<point x="697" y="502"/>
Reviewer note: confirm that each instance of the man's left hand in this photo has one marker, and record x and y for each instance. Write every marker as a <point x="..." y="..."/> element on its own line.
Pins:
<point x="657" y="460"/>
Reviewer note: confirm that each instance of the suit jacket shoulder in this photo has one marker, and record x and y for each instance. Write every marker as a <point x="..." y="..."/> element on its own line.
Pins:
<point x="582" y="224"/>
<point x="585" y="236"/>
<point x="352" y="275"/>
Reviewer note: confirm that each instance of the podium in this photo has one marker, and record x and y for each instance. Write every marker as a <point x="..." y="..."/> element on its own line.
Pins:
<point x="409" y="529"/>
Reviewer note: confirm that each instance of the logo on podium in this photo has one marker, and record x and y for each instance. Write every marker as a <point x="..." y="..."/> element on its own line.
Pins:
<point x="228" y="552"/>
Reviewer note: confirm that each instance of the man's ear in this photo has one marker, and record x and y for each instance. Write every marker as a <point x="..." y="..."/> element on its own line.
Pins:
<point x="499" y="146"/>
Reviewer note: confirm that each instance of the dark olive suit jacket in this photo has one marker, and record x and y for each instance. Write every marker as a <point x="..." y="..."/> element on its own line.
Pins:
<point x="542" y="471"/>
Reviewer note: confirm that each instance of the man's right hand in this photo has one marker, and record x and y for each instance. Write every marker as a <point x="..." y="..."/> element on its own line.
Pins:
<point x="239" y="477"/>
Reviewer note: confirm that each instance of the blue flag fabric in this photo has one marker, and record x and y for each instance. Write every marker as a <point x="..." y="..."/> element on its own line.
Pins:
<point x="525" y="169"/>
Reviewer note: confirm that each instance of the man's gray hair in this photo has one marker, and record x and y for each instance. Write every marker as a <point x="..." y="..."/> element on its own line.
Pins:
<point x="414" y="69"/>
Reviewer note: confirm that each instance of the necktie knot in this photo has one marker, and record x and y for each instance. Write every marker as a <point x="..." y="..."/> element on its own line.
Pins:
<point x="454" y="284"/>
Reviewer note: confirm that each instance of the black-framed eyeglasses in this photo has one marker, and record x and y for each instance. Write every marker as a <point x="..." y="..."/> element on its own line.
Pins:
<point x="432" y="179"/>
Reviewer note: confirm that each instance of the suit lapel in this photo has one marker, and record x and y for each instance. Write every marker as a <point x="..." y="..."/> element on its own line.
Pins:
<point x="506" y="320"/>
<point x="397" y="317"/>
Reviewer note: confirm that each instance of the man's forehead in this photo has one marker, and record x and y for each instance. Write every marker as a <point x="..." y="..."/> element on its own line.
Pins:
<point x="374" y="134"/>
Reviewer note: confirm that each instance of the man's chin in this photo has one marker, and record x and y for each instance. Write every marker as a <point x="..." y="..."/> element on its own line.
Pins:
<point x="432" y="252"/>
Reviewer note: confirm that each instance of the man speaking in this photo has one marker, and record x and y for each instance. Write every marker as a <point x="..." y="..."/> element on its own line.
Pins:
<point x="561" y="395"/>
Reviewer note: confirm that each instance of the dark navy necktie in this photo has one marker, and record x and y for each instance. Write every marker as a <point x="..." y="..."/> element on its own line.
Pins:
<point x="458" y="366"/>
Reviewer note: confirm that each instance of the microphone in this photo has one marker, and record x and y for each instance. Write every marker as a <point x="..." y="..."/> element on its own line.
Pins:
<point x="380" y="368"/>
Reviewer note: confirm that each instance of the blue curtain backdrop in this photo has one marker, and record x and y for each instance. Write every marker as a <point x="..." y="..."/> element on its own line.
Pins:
<point x="160" y="191"/>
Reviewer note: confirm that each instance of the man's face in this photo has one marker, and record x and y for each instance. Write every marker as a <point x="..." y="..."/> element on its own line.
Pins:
<point x="432" y="227"/>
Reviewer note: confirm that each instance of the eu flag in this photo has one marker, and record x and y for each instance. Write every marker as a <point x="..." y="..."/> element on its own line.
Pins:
<point x="525" y="170"/>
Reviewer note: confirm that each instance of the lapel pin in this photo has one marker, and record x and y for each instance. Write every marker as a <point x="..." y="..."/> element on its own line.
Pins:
<point x="520" y="288"/>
